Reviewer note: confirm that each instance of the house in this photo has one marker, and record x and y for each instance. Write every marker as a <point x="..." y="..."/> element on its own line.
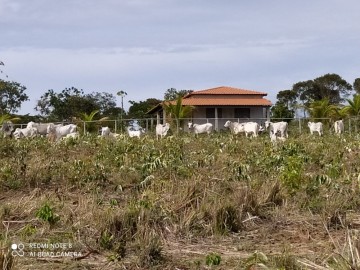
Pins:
<point x="217" y="105"/>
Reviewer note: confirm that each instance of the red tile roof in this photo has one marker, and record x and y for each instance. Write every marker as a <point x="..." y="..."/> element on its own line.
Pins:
<point x="225" y="102"/>
<point x="222" y="96"/>
<point x="225" y="90"/>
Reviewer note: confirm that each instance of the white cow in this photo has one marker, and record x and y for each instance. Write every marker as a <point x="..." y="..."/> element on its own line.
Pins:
<point x="316" y="127"/>
<point x="203" y="128"/>
<point x="25" y="133"/>
<point x="105" y="132"/>
<point x="277" y="127"/>
<point x="233" y="126"/>
<point x="135" y="133"/>
<point x="41" y="128"/>
<point x="339" y="127"/>
<point x="57" y="132"/>
<point x="250" y="128"/>
<point x="162" y="130"/>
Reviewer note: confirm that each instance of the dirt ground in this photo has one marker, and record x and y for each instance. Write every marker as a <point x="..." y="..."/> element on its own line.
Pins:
<point x="306" y="236"/>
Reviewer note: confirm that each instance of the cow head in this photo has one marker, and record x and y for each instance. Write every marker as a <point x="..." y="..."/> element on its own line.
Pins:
<point x="227" y="124"/>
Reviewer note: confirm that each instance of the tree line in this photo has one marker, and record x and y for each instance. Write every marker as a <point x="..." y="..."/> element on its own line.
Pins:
<point x="326" y="96"/>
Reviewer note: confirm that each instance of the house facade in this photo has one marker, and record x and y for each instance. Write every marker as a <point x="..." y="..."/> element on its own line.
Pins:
<point x="220" y="104"/>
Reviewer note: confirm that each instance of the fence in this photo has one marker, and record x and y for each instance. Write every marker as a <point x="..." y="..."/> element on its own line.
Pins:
<point x="296" y="125"/>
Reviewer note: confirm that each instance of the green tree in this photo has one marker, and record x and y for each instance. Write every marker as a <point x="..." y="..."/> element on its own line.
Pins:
<point x="106" y="103"/>
<point x="322" y="109"/>
<point x="172" y="93"/>
<point x="139" y="109"/>
<point x="72" y="102"/>
<point x="356" y="85"/>
<point x="12" y="95"/>
<point x="353" y="107"/>
<point x="88" y="118"/>
<point x="288" y="98"/>
<point x="329" y="86"/>
<point x="7" y="117"/>
<point x="177" y="111"/>
<point x="281" y="111"/>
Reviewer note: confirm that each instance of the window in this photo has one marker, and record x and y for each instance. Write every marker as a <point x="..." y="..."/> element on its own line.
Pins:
<point x="210" y="112"/>
<point x="219" y="112"/>
<point x="242" y="113"/>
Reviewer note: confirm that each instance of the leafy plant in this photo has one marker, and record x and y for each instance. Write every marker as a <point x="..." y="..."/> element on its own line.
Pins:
<point x="212" y="259"/>
<point x="178" y="111"/>
<point x="46" y="213"/>
<point x="106" y="239"/>
<point x="91" y="126"/>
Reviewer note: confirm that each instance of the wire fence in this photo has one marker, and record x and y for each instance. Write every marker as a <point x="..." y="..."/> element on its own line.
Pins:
<point x="296" y="125"/>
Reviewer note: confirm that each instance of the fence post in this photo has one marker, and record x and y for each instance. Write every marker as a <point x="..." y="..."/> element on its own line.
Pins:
<point x="300" y="125"/>
<point x="115" y="127"/>
<point x="349" y="125"/>
<point x="356" y="124"/>
<point x="84" y="127"/>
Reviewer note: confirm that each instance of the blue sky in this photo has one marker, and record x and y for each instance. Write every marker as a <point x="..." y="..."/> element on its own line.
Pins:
<point x="144" y="47"/>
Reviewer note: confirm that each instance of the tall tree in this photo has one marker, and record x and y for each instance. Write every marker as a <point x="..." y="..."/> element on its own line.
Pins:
<point x="282" y="112"/>
<point x="139" y="109"/>
<point x="105" y="101"/>
<point x="329" y="86"/>
<point x="287" y="97"/>
<point x="333" y="87"/>
<point x="12" y="95"/>
<point x="356" y="85"/>
<point x="72" y="102"/>
<point x="173" y="94"/>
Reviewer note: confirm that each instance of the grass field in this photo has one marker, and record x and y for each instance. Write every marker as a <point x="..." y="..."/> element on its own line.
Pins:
<point x="181" y="203"/>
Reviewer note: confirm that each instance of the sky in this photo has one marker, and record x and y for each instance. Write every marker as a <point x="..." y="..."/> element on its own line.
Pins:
<point x="144" y="47"/>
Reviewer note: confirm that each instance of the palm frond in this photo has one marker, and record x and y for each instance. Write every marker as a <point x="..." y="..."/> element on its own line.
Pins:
<point x="7" y="117"/>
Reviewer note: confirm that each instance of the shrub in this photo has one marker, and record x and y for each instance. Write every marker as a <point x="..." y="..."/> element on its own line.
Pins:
<point x="46" y="213"/>
<point x="212" y="259"/>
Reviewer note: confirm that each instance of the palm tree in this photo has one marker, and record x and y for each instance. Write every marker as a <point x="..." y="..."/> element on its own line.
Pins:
<point x="6" y="118"/>
<point x="89" y="118"/>
<point x="353" y="109"/>
<point x="178" y="111"/>
<point x="322" y="109"/>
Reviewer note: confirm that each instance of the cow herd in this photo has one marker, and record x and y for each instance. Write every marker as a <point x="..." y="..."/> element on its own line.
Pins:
<point x="55" y="132"/>
<point x="32" y="129"/>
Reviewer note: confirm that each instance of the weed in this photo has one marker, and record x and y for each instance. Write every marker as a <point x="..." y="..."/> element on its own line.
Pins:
<point x="106" y="239"/>
<point x="257" y="259"/>
<point x="46" y="213"/>
<point x="28" y="230"/>
<point x="227" y="220"/>
<point x="212" y="259"/>
<point x="150" y="251"/>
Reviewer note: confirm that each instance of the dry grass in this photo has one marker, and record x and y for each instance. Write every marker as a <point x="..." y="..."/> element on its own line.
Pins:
<point x="141" y="204"/>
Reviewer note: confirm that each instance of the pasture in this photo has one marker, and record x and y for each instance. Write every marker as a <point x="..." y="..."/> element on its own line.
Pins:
<point x="183" y="202"/>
